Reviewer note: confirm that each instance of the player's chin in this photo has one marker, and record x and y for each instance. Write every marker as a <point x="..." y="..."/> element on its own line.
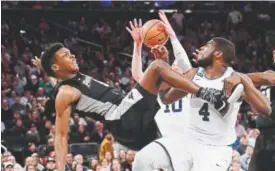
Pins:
<point x="75" y="68"/>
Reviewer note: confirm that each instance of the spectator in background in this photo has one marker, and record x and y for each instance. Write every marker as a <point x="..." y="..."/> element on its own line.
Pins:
<point x="39" y="167"/>
<point x="81" y="135"/>
<point x="78" y="167"/>
<point x="236" y="166"/>
<point x="28" y="162"/>
<point x="105" y="165"/>
<point x="245" y="158"/>
<point x="79" y="159"/>
<point x="51" y="165"/>
<point x="242" y="146"/>
<point x="109" y="156"/>
<point x="32" y="84"/>
<point x="93" y="163"/>
<point x="31" y="149"/>
<point x="18" y="129"/>
<point x="178" y="18"/>
<point x="116" y="166"/>
<point x="6" y="112"/>
<point x="130" y="156"/>
<point x="240" y="130"/>
<point x="98" y="135"/>
<point x="106" y="147"/>
<point x="8" y="166"/>
<point x="17" y="106"/>
<point x="76" y="120"/>
<point x="32" y="134"/>
<point x="122" y="156"/>
<point x="69" y="161"/>
<point x="15" y="164"/>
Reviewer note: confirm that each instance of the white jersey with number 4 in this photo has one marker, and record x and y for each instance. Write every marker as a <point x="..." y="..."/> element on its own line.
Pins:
<point x="169" y="117"/>
<point x="203" y="122"/>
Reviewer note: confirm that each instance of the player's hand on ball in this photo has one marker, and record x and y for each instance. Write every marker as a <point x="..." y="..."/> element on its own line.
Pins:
<point x="230" y="83"/>
<point x="167" y="25"/>
<point x="135" y="30"/>
<point x="160" y="52"/>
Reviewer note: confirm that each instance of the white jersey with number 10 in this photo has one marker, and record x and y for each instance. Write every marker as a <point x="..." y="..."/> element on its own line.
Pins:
<point x="170" y="117"/>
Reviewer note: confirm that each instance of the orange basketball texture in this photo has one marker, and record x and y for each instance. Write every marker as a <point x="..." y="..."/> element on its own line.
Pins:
<point x="153" y="33"/>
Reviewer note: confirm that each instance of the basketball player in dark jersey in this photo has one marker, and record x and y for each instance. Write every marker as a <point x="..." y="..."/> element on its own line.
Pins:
<point x="130" y="118"/>
<point x="263" y="157"/>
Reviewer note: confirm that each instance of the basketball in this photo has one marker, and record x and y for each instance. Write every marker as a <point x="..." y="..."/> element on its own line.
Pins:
<point x="153" y="33"/>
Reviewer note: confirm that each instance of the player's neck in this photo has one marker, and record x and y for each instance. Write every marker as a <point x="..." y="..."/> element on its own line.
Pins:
<point x="66" y="76"/>
<point x="214" y="71"/>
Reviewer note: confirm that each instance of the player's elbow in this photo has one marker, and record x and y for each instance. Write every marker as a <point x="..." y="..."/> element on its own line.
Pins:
<point x="136" y="77"/>
<point x="265" y="110"/>
<point x="271" y="81"/>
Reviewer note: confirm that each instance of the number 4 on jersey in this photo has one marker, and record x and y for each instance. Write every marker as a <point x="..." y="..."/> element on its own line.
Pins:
<point x="204" y="112"/>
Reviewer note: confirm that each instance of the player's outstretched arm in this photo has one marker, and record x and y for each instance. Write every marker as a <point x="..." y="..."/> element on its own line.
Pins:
<point x="135" y="31"/>
<point x="64" y="99"/>
<point x="263" y="78"/>
<point x="251" y="95"/>
<point x="181" y="58"/>
<point x="37" y="62"/>
<point x="171" y="95"/>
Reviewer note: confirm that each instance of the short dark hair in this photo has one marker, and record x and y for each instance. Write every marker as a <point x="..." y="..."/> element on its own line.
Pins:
<point x="48" y="56"/>
<point x="228" y="49"/>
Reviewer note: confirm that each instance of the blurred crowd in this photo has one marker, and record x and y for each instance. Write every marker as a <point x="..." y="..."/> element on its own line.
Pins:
<point x="103" y="49"/>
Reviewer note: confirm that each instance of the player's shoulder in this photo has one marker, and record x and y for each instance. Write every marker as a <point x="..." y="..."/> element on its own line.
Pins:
<point x="191" y="72"/>
<point x="67" y="92"/>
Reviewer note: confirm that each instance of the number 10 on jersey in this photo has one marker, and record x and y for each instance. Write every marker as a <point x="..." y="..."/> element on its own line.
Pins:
<point x="174" y="107"/>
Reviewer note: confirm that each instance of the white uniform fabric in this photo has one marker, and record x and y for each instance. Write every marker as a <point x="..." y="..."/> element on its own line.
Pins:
<point x="187" y="154"/>
<point x="203" y="121"/>
<point x="204" y="142"/>
<point x="169" y="117"/>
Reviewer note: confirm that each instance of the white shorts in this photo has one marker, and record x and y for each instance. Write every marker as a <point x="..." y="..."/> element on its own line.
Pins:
<point x="169" y="124"/>
<point x="186" y="154"/>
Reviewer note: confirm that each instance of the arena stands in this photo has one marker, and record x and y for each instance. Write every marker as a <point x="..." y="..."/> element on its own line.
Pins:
<point x="95" y="32"/>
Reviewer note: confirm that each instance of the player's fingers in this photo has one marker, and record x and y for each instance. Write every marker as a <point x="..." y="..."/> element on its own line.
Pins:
<point x="135" y="22"/>
<point x="129" y="30"/>
<point x="197" y="50"/>
<point x="195" y="56"/>
<point x="131" y="25"/>
<point x="140" y="23"/>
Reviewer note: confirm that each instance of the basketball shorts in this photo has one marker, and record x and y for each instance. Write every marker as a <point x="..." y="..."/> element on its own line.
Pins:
<point x="136" y="127"/>
<point x="263" y="157"/>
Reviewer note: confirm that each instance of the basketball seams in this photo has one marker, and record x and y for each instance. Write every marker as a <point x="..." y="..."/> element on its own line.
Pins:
<point x="149" y="29"/>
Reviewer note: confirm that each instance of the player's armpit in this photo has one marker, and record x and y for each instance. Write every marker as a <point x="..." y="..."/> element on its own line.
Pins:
<point x="262" y="78"/>
<point x="64" y="99"/>
<point x="254" y="97"/>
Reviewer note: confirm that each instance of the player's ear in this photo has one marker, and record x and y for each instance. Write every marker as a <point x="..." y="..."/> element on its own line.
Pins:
<point x="218" y="54"/>
<point x="55" y="67"/>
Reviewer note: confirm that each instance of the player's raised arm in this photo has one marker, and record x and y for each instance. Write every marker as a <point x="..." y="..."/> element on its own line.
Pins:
<point x="64" y="99"/>
<point x="37" y="62"/>
<point x="263" y="78"/>
<point x="251" y="95"/>
<point x="181" y="58"/>
<point x="135" y="31"/>
<point x="171" y="95"/>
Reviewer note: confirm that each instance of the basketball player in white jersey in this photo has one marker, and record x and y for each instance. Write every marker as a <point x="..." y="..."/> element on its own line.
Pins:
<point x="204" y="144"/>
<point x="168" y="117"/>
